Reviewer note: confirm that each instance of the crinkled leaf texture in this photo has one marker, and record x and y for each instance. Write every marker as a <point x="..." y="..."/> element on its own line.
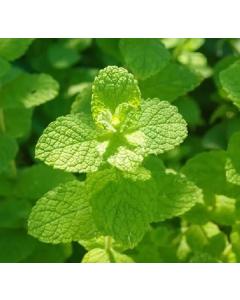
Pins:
<point x="144" y="57"/>
<point x="164" y="128"/>
<point x="123" y="207"/>
<point x="62" y="215"/>
<point x="114" y="92"/>
<point x="69" y="143"/>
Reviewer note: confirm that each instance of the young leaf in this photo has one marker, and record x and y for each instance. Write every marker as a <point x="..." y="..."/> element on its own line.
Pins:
<point x="163" y="127"/>
<point x="113" y="88"/>
<point x="62" y="215"/>
<point x="173" y="81"/>
<point x="70" y="144"/>
<point x="144" y="57"/>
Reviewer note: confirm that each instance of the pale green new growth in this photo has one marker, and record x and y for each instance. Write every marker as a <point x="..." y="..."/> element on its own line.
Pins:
<point x="114" y="91"/>
<point x="230" y="82"/>
<point x="62" y="215"/>
<point x="163" y="126"/>
<point x="70" y="144"/>
<point x="144" y="57"/>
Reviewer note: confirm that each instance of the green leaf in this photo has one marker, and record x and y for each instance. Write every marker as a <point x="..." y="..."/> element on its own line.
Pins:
<point x="69" y="143"/>
<point x="8" y="151"/>
<point x="175" y="196"/>
<point x="163" y="127"/>
<point x="45" y="253"/>
<point x="170" y="83"/>
<point x="190" y="110"/>
<point x="224" y="211"/>
<point x="233" y="150"/>
<point x="43" y="178"/>
<point x="11" y="49"/>
<point x="121" y="208"/>
<point x="62" y="57"/>
<point x="144" y="57"/>
<point x="4" y="67"/>
<point x="28" y="90"/>
<point x="207" y="171"/>
<point x="62" y="215"/>
<point x="99" y="255"/>
<point x="82" y="102"/>
<point x="14" y="212"/>
<point x="230" y="82"/>
<point x="114" y="91"/>
<point x="15" y="245"/>
<point x="18" y="121"/>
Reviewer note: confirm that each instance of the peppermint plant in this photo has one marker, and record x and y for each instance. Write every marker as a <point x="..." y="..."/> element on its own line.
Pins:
<point x="115" y="140"/>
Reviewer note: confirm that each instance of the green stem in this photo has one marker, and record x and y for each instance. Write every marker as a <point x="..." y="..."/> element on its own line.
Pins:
<point x="108" y="242"/>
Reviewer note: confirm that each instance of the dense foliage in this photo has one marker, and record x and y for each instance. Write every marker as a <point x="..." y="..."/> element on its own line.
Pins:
<point x="119" y="150"/>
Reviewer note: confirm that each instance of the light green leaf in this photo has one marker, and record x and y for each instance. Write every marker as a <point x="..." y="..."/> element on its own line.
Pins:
<point x="8" y="151"/>
<point x="230" y="82"/>
<point x="28" y="90"/>
<point x="115" y="91"/>
<point x="99" y="255"/>
<point x="175" y="196"/>
<point x="62" y="215"/>
<point x="144" y="57"/>
<point x="163" y="127"/>
<point x="224" y="211"/>
<point x="121" y="208"/>
<point x="173" y="81"/>
<point x="69" y="143"/>
<point x="11" y="49"/>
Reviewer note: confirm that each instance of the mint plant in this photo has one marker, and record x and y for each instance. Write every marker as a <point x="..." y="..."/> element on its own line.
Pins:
<point x="119" y="150"/>
<point x="126" y="187"/>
